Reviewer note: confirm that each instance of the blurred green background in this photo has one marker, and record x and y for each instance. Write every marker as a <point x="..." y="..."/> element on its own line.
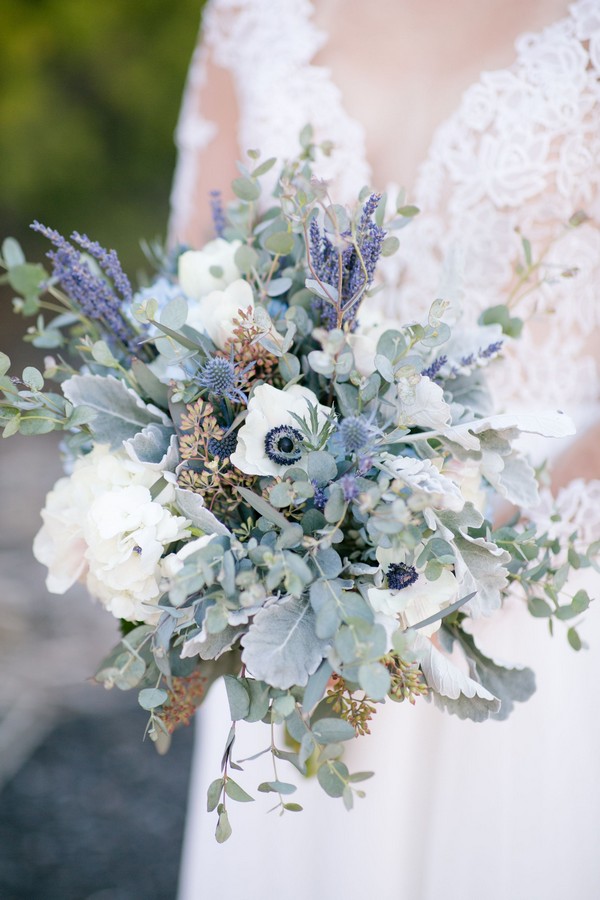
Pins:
<point x="89" y="99"/>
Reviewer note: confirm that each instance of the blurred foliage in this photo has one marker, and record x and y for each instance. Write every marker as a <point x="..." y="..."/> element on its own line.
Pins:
<point x="89" y="102"/>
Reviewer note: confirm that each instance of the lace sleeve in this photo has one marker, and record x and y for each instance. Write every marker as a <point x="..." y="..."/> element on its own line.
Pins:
<point x="518" y="159"/>
<point x="206" y="138"/>
<point x="253" y="84"/>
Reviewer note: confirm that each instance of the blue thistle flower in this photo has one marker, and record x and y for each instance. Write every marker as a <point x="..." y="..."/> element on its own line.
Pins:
<point x="399" y="576"/>
<point x="355" y="433"/>
<point x="223" y="448"/>
<point x="220" y="377"/>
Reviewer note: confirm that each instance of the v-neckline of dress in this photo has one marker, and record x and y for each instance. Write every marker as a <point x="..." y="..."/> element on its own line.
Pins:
<point x="414" y="189"/>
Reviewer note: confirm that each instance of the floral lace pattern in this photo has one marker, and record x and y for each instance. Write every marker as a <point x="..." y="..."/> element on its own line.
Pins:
<point x="518" y="158"/>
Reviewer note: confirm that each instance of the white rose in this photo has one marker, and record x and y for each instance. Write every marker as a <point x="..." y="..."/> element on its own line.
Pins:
<point x="270" y="432"/>
<point x="215" y="312"/>
<point x="422" y="404"/>
<point x="194" y="268"/>
<point x="417" y="602"/>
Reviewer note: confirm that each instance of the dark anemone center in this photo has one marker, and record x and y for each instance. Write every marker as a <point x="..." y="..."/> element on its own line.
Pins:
<point x="399" y="576"/>
<point x="283" y="445"/>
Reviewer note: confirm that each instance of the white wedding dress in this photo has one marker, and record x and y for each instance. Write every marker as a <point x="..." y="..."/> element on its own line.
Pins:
<point x="456" y="810"/>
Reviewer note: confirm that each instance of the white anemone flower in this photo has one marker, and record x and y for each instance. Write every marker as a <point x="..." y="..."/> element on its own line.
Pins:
<point x="417" y="601"/>
<point x="211" y="269"/>
<point x="215" y="313"/>
<point x="270" y="440"/>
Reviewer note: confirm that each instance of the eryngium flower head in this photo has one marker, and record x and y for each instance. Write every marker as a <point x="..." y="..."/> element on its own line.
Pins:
<point x="400" y="576"/>
<point x="355" y="433"/>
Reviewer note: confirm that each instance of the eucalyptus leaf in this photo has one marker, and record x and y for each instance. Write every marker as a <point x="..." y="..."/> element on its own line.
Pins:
<point x="151" y="698"/>
<point x="233" y="790"/>
<point x="321" y="466"/>
<point x="213" y="794"/>
<point x="333" y="777"/>
<point x="238" y="697"/>
<point x="246" y="259"/>
<point x="261" y="506"/>
<point x="289" y="367"/>
<point x="223" y="831"/>
<point x="276" y="787"/>
<point x="281" y="243"/>
<point x="278" y="286"/>
<point x="12" y="253"/>
<point x="32" y="377"/>
<point x="259" y="699"/>
<point x="246" y="189"/>
<point x="175" y="313"/>
<point x="375" y="680"/>
<point x="151" y="386"/>
<point x="329" y="731"/>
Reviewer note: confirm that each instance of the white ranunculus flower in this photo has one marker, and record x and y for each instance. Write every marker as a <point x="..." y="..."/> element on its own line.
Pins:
<point x="418" y="601"/>
<point x="467" y="475"/>
<point x="102" y="527"/>
<point x="270" y="432"/>
<point x="423" y="477"/>
<point x="214" y="313"/>
<point x="194" y="268"/>
<point x="422" y="404"/>
<point x="174" y="562"/>
<point x="372" y="323"/>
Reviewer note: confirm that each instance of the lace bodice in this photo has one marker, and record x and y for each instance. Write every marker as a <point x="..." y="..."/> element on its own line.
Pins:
<point x="519" y="156"/>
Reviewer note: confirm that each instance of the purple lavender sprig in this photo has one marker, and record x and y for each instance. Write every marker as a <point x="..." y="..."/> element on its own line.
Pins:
<point x="354" y="266"/>
<point x="99" y="298"/>
<point x="217" y="213"/>
<point x="483" y="353"/>
<point x="433" y="369"/>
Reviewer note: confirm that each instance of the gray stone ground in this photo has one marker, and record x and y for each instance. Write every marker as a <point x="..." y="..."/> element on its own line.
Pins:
<point x="87" y="812"/>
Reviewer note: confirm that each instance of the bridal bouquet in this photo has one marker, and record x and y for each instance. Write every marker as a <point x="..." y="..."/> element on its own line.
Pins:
<point x="267" y="482"/>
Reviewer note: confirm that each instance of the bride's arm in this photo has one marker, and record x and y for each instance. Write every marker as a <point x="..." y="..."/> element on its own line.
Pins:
<point x="207" y="148"/>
